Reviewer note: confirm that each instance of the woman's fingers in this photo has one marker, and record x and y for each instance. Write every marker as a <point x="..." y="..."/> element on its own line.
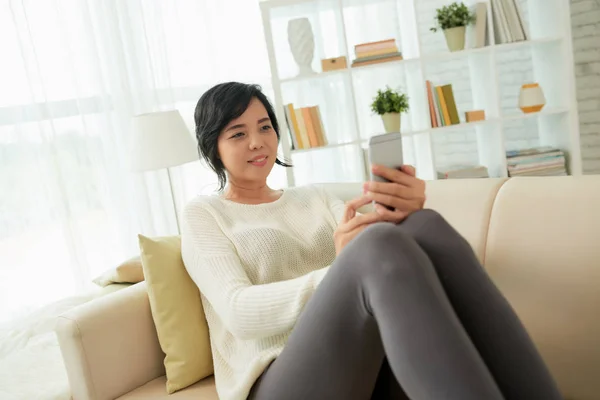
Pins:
<point x="393" y="201"/>
<point x="353" y="205"/>
<point x="391" y="188"/>
<point x="360" y="220"/>
<point x="390" y="216"/>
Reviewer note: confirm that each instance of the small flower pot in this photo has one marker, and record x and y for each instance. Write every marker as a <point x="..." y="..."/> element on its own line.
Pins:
<point x="455" y="38"/>
<point x="391" y="122"/>
<point x="531" y="98"/>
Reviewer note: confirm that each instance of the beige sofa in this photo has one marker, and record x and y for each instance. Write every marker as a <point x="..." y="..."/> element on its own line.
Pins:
<point x="539" y="238"/>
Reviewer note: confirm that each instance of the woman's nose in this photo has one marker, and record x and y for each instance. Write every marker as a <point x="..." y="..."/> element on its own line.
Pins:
<point x="256" y="141"/>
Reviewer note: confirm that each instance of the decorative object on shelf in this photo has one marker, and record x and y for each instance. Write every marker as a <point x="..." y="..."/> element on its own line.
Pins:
<point x="442" y="107"/>
<point x="475" y="115"/>
<point x="302" y="44"/>
<point x="306" y="127"/>
<point x="453" y="20"/>
<point x="531" y="98"/>
<point x="376" y="52"/>
<point x="333" y="64"/>
<point x="536" y="161"/>
<point x="389" y="104"/>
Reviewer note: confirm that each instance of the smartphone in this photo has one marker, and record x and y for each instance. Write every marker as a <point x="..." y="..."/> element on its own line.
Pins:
<point x="386" y="150"/>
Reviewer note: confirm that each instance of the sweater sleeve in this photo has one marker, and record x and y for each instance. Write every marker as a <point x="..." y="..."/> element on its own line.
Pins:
<point x="248" y="311"/>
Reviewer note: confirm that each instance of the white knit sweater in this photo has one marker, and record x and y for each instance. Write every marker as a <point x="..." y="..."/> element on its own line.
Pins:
<point x="256" y="266"/>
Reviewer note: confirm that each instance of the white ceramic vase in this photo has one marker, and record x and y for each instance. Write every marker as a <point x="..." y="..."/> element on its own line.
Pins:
<point x="531" y="98"/>
<point x="455" y="38"/>
<point x="302" y="44"/>
<point x="391" y="122"/>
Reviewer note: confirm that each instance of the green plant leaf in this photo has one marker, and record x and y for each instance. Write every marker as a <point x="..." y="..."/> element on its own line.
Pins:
<point x="389" y="101"/>
<point x="452" y="16"/>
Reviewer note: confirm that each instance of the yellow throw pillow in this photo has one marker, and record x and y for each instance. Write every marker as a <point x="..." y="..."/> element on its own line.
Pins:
<point x="177" y="312"/>
<point x="129" y="271"/>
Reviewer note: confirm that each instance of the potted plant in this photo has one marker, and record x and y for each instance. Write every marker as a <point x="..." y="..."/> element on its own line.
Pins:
<point x="390" y="104"/>
<point x="453" y="20"/>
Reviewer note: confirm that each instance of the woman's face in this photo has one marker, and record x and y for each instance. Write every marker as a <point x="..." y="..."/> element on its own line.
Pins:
<point x="248" y="146"/>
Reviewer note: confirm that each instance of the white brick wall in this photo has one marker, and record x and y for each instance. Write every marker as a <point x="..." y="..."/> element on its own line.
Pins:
<point x="515" y="68"/>
<point x="585" y="24"/>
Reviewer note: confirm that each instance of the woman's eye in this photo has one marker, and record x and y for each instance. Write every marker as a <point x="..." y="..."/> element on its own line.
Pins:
<point x="267" y="128"/>
<point x="238" y="135"/>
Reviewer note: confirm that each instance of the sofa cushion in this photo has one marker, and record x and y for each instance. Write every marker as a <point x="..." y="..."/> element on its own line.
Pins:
<point x="543" y="253"/>
<point x="177" y="312"/>
<point x="155" y="389"/>
<point x="129" y="271"/>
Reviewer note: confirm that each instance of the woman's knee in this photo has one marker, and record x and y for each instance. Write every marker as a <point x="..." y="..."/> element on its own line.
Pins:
<point x="382" y="249"/>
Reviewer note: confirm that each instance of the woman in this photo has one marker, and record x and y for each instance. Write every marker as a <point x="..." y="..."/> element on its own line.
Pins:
<point x="307" y="299"/>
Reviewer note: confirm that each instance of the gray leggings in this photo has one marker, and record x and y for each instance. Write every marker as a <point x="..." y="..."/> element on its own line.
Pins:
<point x="407" y="312"/>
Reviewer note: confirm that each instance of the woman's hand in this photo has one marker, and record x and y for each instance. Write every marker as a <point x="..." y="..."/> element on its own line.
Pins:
<point x="404" y="194"/>
<point x="352" y="224"/>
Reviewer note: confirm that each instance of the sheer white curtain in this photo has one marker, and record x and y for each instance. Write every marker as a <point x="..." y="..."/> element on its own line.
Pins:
<point x="72" y="74"/>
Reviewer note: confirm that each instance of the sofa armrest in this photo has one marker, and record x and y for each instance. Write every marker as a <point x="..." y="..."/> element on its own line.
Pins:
<point x="109" y="345"/>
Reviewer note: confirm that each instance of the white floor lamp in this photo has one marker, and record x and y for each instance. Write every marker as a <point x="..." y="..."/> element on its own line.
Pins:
<point x="162" y="140"/>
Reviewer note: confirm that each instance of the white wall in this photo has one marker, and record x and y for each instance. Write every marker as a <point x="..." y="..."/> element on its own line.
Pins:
<point x="585" y="24"/>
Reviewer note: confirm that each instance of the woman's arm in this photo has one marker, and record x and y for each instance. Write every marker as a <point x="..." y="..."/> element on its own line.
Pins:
<point x="248" y="311"/>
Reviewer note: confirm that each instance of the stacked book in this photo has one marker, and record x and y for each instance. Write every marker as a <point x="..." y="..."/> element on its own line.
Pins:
<point x="442" y="107"/>
<point x="463" y="172"/>
<point x="508" y="21"/>
<point x="538" y="161"/>
<point x="305" y="126"/>
<point x="376" y="52"/>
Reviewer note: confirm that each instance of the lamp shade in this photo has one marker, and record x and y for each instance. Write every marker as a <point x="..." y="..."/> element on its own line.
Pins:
<point x="161" y="140"/>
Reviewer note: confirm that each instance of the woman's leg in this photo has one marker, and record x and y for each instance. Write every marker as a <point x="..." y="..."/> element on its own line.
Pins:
<point x="489" y="320"/>
<point x="380" y="298"/>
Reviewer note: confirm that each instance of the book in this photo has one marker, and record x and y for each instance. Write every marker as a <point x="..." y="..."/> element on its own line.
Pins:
<point x="316" y="123"/>
<point x="302" y="128"/>
<point x="513" y="20"/>
<point x="438" y="108"/>
<point x="450" y="104"/>
<point x="364" y="54"/>
<point x="297" y="138"/>
<point x="443" y="106"/>
<point x="310" y="128"/>
<point x="432" y="114"/>
<point x="291" y="129"/>
<point x="479" y="32"/>
<point x="370" y="46"/>
<point x="530" y="151"/>
<point x="321" y="127"/>
<point x="382" y="60"/>
<point x="377" y="57"/>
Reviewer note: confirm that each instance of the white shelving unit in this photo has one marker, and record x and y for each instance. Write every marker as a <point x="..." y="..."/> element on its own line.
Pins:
<point x="486" y="78"/>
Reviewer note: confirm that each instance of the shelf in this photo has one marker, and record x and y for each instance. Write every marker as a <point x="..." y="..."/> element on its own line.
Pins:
<point x="543" y="112"/>
<point x="462" y="125"/>
<point x="427" y="58"/>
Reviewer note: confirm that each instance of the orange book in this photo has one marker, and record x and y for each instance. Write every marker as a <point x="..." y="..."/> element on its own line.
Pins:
<point x="434" y="122"/>
<point x="310" y="127"/>
<point x="316" y="120"/>
<point x="321" y="126"/>
<point x="443" y="105"/>
<point x="362" y="54"/>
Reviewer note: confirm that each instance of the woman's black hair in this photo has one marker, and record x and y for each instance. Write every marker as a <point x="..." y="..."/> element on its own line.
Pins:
<point x="217" y="107"/>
